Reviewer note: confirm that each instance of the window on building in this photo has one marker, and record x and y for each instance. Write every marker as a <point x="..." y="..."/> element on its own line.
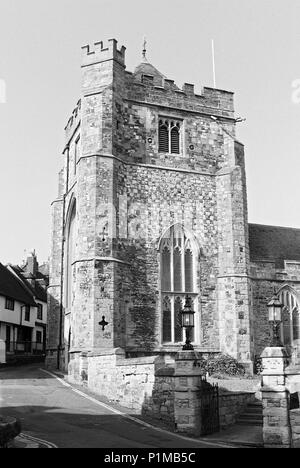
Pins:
<point x="177" y="266"/>
<point x="27" y="313"/>
<point x="169" y="136"/>
<point x="290" y="317"/>
<point x="39" y="337"/>
<point x="76" y="153"/>
<point x="147" y="79"/>
<point x="9" y="304"/>
<point x="40" y="312"/>
<point x="70" y="256"/>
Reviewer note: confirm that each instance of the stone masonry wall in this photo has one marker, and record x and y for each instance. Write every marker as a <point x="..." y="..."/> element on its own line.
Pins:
<point x="295" y="425"/>
<point x="129" y="382"/>
<point x="232" y="405"/>
<point x="146" y="386"/>
<point x="268" y="276"/>
<point x="155" y="200"/>
<point x="160" y="405"/>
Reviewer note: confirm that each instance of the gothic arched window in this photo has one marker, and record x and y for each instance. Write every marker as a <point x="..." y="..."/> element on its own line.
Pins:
<point x="178" y="279"/>
<point x="169" y="136"/>
<point x="290" y="317"/>
<point x="70" y="256"/>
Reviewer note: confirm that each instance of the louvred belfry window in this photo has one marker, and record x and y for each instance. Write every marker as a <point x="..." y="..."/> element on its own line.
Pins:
<point x="169" y="136"/>
<point x="178" y="262"/>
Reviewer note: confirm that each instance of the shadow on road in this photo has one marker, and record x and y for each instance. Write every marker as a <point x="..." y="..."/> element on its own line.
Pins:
<point x="11" y="372"/>
<point x="76" y="429"/>
<point x="53" y="412"/>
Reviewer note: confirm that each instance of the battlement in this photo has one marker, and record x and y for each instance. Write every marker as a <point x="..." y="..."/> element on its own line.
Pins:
<point x="101" y="52"/>
<point x="208" y="100"/>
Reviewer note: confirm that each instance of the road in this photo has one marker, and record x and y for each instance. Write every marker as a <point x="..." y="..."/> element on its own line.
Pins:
<point x="54" y="412"/>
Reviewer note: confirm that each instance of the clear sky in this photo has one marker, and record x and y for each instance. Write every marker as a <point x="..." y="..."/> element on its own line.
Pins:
<point x="257" y="47"/>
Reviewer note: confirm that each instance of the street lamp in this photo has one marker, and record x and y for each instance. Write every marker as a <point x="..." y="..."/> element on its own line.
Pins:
<point x="187" y="322"/>
<point x="275" y="318"/>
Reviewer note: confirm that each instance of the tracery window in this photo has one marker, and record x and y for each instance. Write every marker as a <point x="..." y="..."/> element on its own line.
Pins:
<point x="169" y="136"/>
<point x="290" y="317"/>
<point x="177" y="260"/>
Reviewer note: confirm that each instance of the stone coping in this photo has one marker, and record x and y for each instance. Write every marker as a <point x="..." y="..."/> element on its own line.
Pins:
<point x="292" y="370"/>
<point x="157" y="351"/>
<point x="105" y="352"/>
<point x="165" y="372"/>
<point x="275" y="352"/>
<point x="188" y="355"/>
<point x="230" y="394"/>
<point x="121" y="360"/>
<point x="137" y="361"/>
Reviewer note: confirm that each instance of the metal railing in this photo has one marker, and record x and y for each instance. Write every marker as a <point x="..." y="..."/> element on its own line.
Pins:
<point x="25" y="347"/>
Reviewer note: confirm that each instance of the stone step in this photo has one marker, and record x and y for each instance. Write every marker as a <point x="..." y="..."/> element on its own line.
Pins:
<point x="251" y="415"/>
<point x="249" y="422"/>
<point x="255" y="404"/>
<point x="253" y="410"/>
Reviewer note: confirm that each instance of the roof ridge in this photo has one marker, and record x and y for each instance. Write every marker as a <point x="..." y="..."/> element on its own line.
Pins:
<point x="11" y="286"/>
<point x="274" y="226"/>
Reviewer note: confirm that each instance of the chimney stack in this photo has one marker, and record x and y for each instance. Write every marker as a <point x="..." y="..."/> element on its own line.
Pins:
<point x="32" y="264"/>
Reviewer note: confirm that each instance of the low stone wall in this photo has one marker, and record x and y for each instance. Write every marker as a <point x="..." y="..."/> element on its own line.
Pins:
<point x="160" y="405"/>
<point x="295" y="426"/>
<point x="145" y="385"/>
<point x="129" y="382"/>
<point x="238" y="385"/>
<point x="232" y="405"/>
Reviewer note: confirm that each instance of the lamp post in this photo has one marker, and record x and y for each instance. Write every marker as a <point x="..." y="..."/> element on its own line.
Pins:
<point x="275" y="318"/>
<point x="187" y="322"/>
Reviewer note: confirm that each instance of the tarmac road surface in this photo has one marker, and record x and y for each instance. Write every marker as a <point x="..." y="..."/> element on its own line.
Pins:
<point x="51" y="411"/>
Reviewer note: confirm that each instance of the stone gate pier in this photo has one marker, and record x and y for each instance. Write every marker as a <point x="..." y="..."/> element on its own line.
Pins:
<point x="186" y="396"/>
<point x="280" y="380"/>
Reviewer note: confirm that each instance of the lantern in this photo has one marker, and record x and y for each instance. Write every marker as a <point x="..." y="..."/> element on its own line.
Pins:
<point x="275" y="318"/>
<point x="187" y="322"/>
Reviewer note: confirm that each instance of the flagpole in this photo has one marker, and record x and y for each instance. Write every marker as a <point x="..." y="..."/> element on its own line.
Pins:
<point x="213" y="62"/>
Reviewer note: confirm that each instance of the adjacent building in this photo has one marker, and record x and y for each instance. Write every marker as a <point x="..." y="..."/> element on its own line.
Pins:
<point x="23" y="308"/>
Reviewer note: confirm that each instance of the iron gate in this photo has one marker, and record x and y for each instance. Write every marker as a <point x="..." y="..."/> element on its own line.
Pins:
<point x="209" y="407"/>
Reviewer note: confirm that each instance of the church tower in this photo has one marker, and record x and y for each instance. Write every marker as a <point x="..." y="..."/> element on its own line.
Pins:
<point x="151" y="209"/>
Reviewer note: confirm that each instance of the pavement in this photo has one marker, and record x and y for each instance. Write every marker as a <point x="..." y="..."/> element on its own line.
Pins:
<point x="55" y="414"/>
<point x="26" y="441"/>
<point x="240" y="436"/>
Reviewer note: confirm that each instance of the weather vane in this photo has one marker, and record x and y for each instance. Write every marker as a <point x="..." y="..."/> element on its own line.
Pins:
<point x="144" y="47"/>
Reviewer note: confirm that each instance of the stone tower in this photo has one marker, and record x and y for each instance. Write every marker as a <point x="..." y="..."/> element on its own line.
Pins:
<point x="152" y="207"/>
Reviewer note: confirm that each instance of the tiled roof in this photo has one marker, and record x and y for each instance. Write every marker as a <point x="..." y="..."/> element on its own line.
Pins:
<point x="11" y="287"/>
<point x="274" y="242"/>
<point x="37" y="290"/>
<point x="145" y="68"/>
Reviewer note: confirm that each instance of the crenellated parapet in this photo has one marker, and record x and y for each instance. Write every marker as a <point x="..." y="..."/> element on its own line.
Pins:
<point x="101" y="52"/>
<point x="211" y="101"/>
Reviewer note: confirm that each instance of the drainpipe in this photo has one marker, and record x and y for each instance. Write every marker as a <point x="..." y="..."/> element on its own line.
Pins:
<point x="60" y="343"/>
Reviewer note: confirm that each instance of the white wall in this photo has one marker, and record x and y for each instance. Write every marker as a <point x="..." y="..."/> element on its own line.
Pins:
<point x="10" y="316"/>
<point x="13" y="318"/>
